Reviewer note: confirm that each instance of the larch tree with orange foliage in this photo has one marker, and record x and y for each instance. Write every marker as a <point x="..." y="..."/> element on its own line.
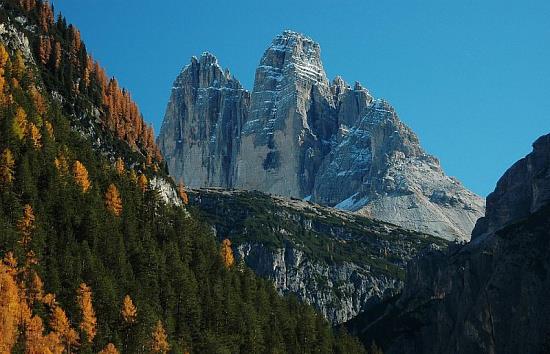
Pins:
<point x="119" y="166"/>
<point x="80" y="174"/>
<point x="45" y="16"/>
<point x="44" y="49"/>
<point x="143" y="183"/>
<point x="226" y="252"/>
<point x="34" y="136"/>
<point x="4" y="59"/>
<point x="109" y="349"/>
<point x="61" y="326"/>
<point x="113" y="202"/>
<point x="26" y="226"/>
<point x="159" y="339"/>
<point x="49" y="129"/>
<point x="9" y="309"/>
<point x="89" y="321"/>
<point x="7" y="162"/>
<point x="129" y="310"/>
<point x="38" y="343"/>
<point x="19" y="125"/>
<point x="182" y="193"/>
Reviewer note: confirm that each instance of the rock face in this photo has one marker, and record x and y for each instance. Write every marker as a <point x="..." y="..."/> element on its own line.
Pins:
<point x="522" y="190"/>
<point x="340" y="262"/>
<point x="299" y="135"/>
<point x="200" y="133"/>
<point x="489" y="296"/>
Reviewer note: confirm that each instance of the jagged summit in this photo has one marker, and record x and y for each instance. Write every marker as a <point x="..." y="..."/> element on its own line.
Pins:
<point x="206" y="72"/>
<point x="297" y="134"/>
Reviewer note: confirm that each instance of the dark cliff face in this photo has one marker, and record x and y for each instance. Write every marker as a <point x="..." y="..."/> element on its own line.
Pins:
<point x="522" y="190"/>
<point x="299" y="135"/>
<point x="200" y="132"/>
<point x="488" y="296"/>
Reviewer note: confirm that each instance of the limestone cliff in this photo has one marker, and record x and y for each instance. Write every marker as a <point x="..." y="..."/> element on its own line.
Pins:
<point x="201" y="130"/>
<point x="299" y="135"/>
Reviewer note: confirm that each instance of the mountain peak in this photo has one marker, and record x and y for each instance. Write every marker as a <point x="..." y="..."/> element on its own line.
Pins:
<point x="204" y="72"/>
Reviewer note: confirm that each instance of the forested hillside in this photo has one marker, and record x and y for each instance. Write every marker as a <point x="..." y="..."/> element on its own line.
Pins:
<point x="93" y="258"/>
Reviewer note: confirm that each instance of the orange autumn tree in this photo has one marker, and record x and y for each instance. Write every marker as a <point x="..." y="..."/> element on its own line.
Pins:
<point x="19" y="125"/>
<point x="80" y="174"/>
<point x="113" y="202"/>
<point x="26" y="226"/>
<point x="143" y="182"/>
<point x="7" y="162"/>
<point x="35" y="340"/>
<point x="119" y="166"/>
<point x="34" y="135"/>
<point x="4" y="59"/>
<point x="61" y="326"/>
<point x="129" y="310"/>
<point x="89" y="320"/>
<point x="182" y="193"/>
<point x="227" y="253"/>
<point x="159" y="339"/>
<point x="109" y="349"/>
<point x="9" y="309"/>
<point x="49" y="129"/>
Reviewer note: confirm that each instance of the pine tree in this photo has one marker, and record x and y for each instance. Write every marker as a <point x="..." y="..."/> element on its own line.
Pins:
<point x="159" y="339"/>
<point x="109" y="349"/>
<point x="80" y="174"/>
<point x="143" y="182"/>
<point x="129" y="310"/>
<point x="227" y="253"/>
<point x="7" y="162"/>
<point x="113" y="202"/>
<point x="89" y="320"/>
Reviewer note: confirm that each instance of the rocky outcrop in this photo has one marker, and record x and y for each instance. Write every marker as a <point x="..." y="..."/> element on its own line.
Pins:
<point x="488" y="296"/>
<point x="522" y="190"/>
<point x="340" y="262"/>
<point x="200" y="133"/>
<point x="299" y="135"/>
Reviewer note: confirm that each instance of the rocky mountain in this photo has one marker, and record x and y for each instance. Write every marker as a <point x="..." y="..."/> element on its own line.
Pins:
<point x="299" y="135"/>
<point x="341" y="263"/>
<point x="489" y="296"/>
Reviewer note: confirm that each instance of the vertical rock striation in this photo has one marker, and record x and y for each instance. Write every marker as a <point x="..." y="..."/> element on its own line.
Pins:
<point x="200" y="134"/>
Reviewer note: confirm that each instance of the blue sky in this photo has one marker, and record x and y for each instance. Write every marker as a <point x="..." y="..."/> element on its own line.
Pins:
<point x="472" y="78"/>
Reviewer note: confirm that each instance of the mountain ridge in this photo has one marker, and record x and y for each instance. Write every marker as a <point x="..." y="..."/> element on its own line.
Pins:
<point x="298" y="134"/>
